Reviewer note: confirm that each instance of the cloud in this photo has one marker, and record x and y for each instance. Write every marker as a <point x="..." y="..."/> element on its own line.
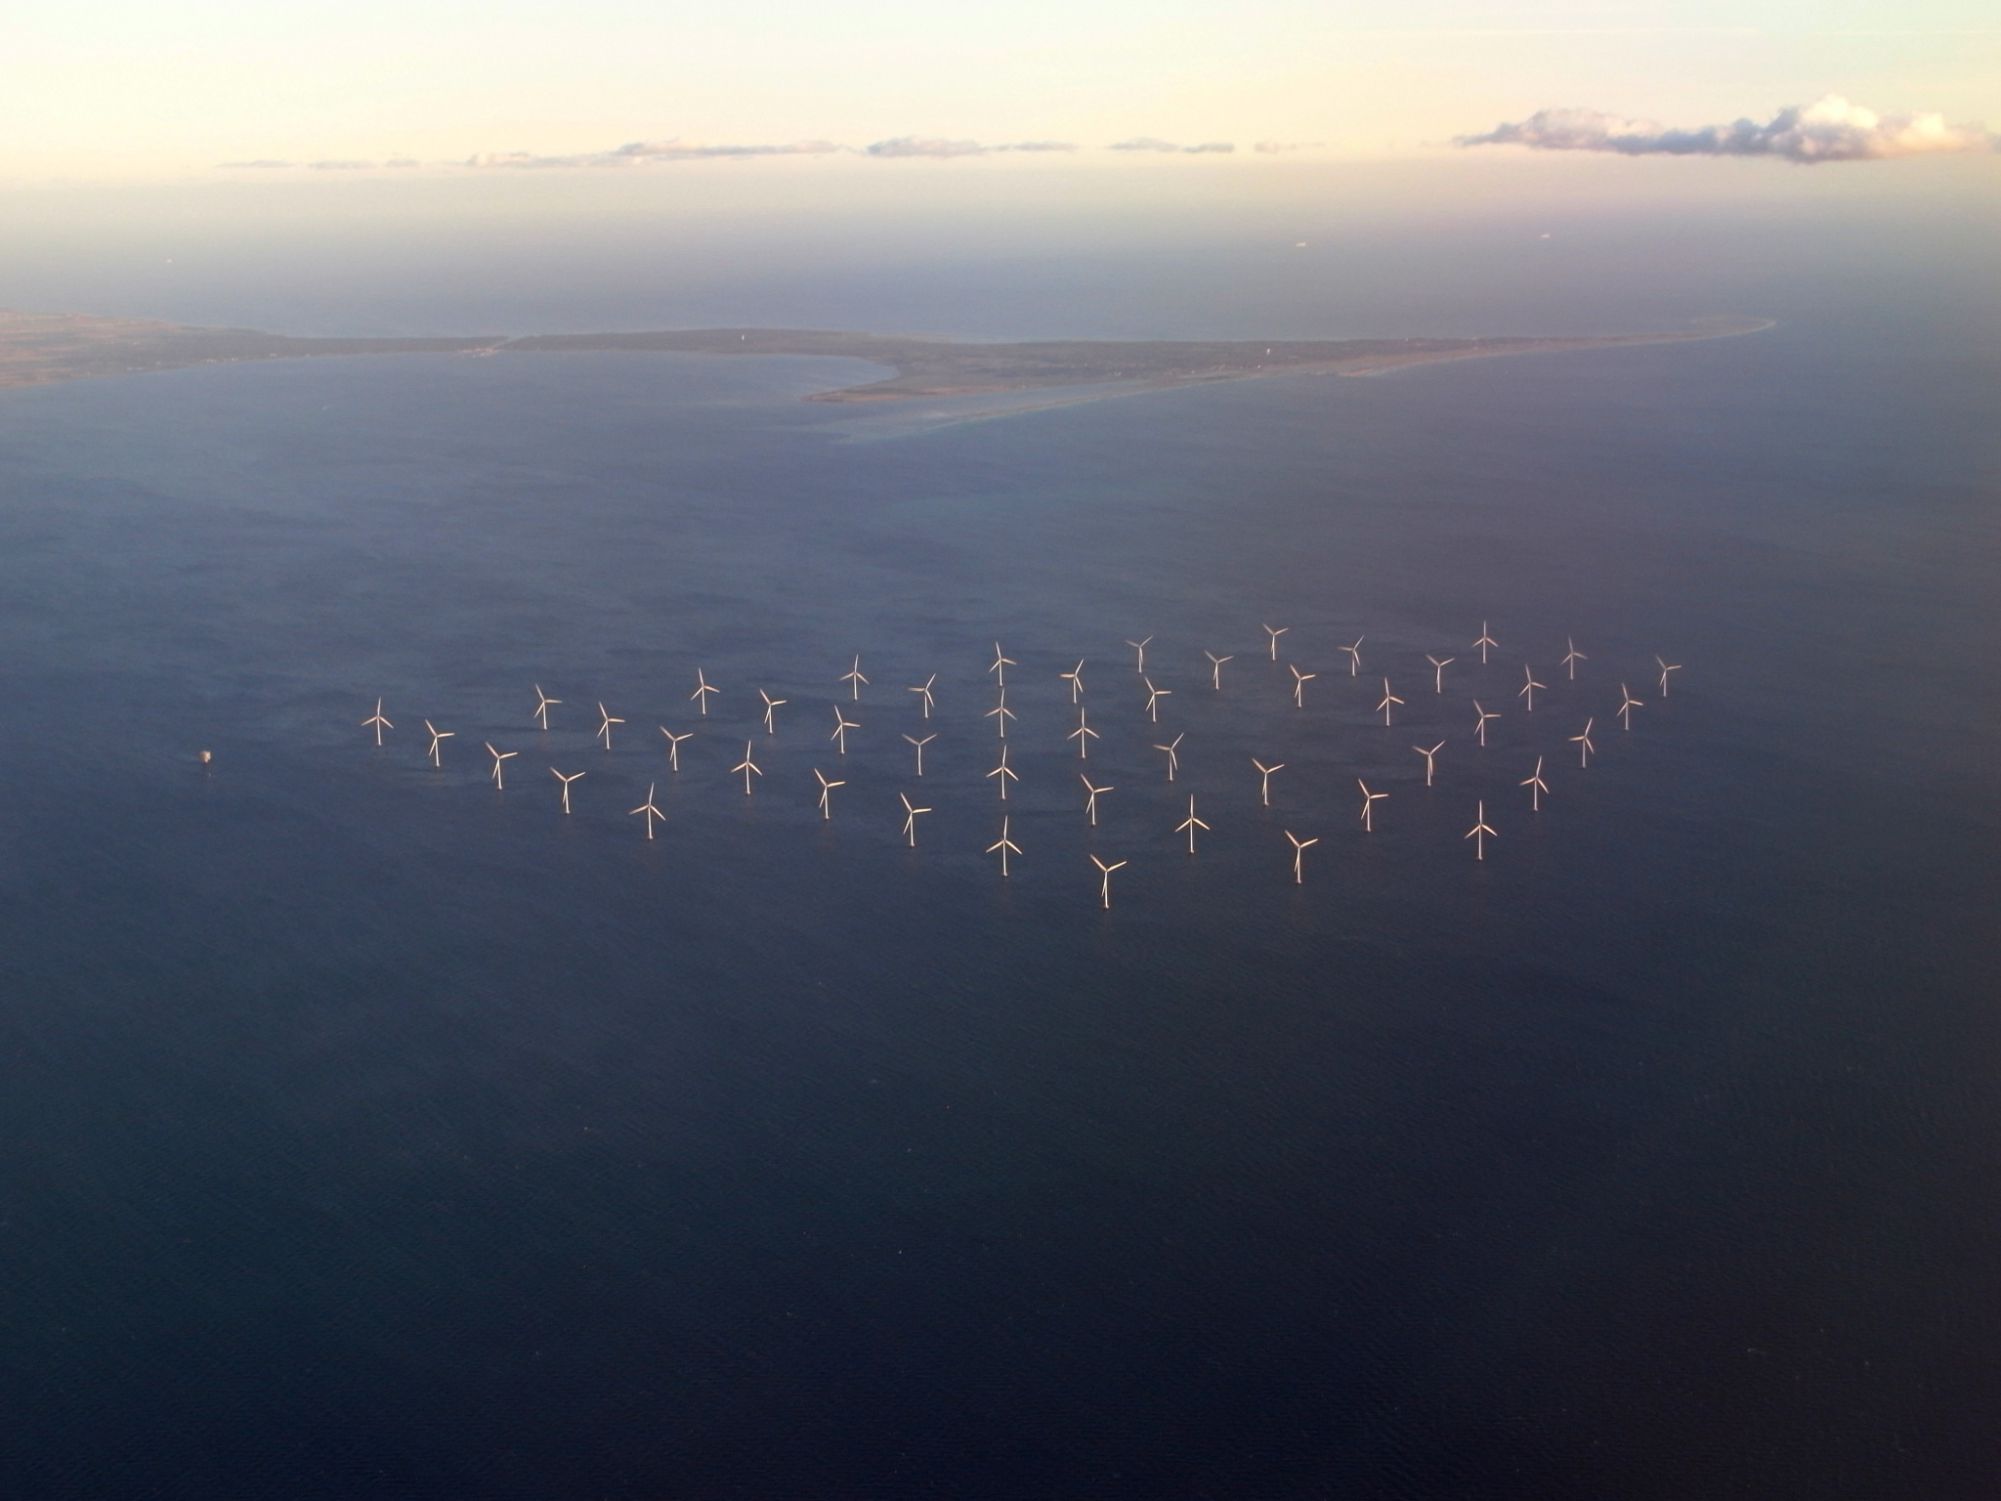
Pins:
<point x="1155" y="143"/>
<point x="644" y="153"/>
<point x="928" y="146"/>
<point x="341" y="165"/>
<point x="262" y="163"/>
<point x="1273" y="148"/>
<point x="1829" y="130"/>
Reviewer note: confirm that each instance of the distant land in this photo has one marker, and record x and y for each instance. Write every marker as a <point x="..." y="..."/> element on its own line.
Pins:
<point x="39" y="349"/>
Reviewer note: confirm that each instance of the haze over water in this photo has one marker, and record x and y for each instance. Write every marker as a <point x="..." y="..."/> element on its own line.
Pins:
<point x="366" y="1132"/>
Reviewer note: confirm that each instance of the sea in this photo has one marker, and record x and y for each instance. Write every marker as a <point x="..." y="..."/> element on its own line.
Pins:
<point x="369" y="1131"/>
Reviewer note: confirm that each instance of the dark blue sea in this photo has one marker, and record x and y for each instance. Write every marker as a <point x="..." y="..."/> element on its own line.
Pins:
<point x="366" y="1131"/>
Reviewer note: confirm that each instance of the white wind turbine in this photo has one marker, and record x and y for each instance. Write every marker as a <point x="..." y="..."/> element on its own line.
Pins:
<point x="1091" y="797"/>
<point x="606" y="720"/>
<point x="1430" y="760"/>
<point x="649" y="810"/>
<point x="1105" y="885"/>
<point x="702" y="692"/>
<point x="567" y="777"/>
<point x="1438" y="666"/>
<point x="854" y="679"/>
<point x="1626" y="706"/>
<point x="1480" y="833"/>
<point x="1153" y="697"/>
<point x="1083" y="735"/>
<point x="543" y="703"/>
<point x="1000" y="713"/>
<point x="1388" y="699"/>
<point x="1355" y="656"/>
<point x="1480" y="724"/>
<point x="1299" y="849"/>
<point x="999" y="666"/>
<point x="1666" y="668"/>
<point x="910" y="812"/>
<point x="920" y="744"/>
<point x="1582" y="740"/>
<point x="380" y="723"/>
<point x="1216" y="667"/>
<point x="1173" y="750"/>
<point x="1484" y="642"/>
<point x="1190" y="824"/>
<point x="1275" y="633"/>
<point x="1538" y="788"/>
<point x="1004" y="772"/>
<point x="674" y="747"/>
<point x="826" y="794"/>
<point x="842" y="724"/>
<point x="924" y="688"/>
<point x="1369" y="801"/>
<point x="438" y="738"/>
<point x="500" y="759"/>
<point x="770" y="708"/>
<point x="1264" y="771"/>
<point x="1572" y="656"/>
<point x="1529" y="686"/>
<point x="748" y="767"/>
<point x="1004" y="846"/>
<point x="1299" y="682"/>
<point x="1075" y="678"/>
<point x="1140" y="648"/>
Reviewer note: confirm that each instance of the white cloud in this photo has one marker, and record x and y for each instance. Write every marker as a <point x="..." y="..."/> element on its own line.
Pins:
<point x="1155" y="143"/>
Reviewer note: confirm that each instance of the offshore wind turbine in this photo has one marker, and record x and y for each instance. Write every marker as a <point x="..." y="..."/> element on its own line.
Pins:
<point x="1582" y="740"/>
<point x="1139" y="647"/>
<point x="1438" y="666"/>
<point x="1355" y="656"/>
<point x="1075" y="678"/>
<point x="1572" y="656"/>
<point x="1004" y="772"/>
<point x="854" y="679"/>
<point x="606" y="721"/>
<point x="1264" y="771"/>
<point x="1480" y="833"/>
<point x="999" y="666"/>
<point x="649" y="810"/>
<point x="1216" y="667"/>
<point x="1005" y="846"/>
<point x="910" y="812"/>
<point x="770" y="706"/>
<point x="920" y="744"/>
<point x="380" y="723"/>
<point x="1000" y="713"/>
<point x="674" y="747"/>
<point x="1626" y="706"/>
<point x="748" y="767"/>
<point x="1485" y="641"/>
<point x="1369" y="801"/>
<point x="1083" y="735"/>
<point x="1105" y="885"/>
<point x="1173" y="749"/>
<point x="702" y="692"/>
<point x="567" y="777"/>
<point x="1299" y="849"/>
<point x="1480" y="724"/>
<point x="1275" y="632"/>
<point x="1091" y="797"/>
<point x="1153" y="697"/>
<point x="1538" y="788"/>
<point x="924" y="688"/>
<point x="826" y="790"/>
<point x="500" y="758"/>
<point x="1430" y="759"/>
<point x="1190" y="824"/>
<point x="438" y="738"/>
<point x="1529" y="686"/>
<point x="1666" y="668"/>
<point x="543" y="704"/>
<point x="842" y="724"/>
<point x="1299" y="682"/>
<point x="1388" y="699"/>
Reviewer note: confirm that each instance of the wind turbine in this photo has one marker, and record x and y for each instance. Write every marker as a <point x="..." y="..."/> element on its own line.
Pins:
<point x="1000" y="713"/>
<point x="1275" y="633"/>
<point x="1484" y="642"/>
<point x="770" y="706"/>
<point x="500" y="758"/>
<point x="674" y="747"/>
<point x="1299" y="849"/>
<point x="1369" y="801"/>
<point x="1355" y="656"/>
<point x="1480" y="724"/>
<point x="910" y="812"/>
<point x="1299" y="682"/>
<point x="1005" y="846"/>
<point x="1190" y="824"/>
<point x="842" y="724"/>
<point x="1075" y="678"/>
<point x="1388" y="699"/>
<point x="826" y="789"/>
<point x="1438" y="666"/>
<point x="999" y="666"/>
<point x="702" y="692"/>
<point x="382" y="724"/>
<point x="1216" y="667"/>
<point x="1627" y="705"/>
<point x="1153" y="697"/>
<point x="606" y="721"/>
<point x="1538" y="788"/>
<point x="566" y="778"/>
<point x="438" y="738"/>
<point x="1105" y="886"/>
<point x="920" y="744"/>
<point x="1091" y="797"/>
<point x="648" y="809"/>
<point x="1529" y="686"/>
<point x="1430" y="759"/>
<point x="1480" y="833"/>
<point x="1666" y="668"/>
<point x="854" y="679"/>
<point x="1265" y="772"/>
<point x="1173" y="748"/>
<point x="748" y="767"/>
<point x="924" y="688"/>
<point x="1582" y="740"/>
<point x="1083" y="735"/>
<point x="1004" y="772"/>
<point x="1572" y="656"/>
<point x="1139" y="647"/>
<point x="542" y="705"/>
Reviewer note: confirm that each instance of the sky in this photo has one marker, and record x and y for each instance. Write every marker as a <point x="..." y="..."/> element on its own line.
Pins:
<point x="131" y="91"/>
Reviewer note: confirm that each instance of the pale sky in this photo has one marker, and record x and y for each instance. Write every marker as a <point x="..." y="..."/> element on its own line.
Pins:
<point x="133" y="90"/>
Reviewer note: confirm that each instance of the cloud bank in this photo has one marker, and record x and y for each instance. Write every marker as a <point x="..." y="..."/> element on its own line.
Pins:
<point x="929" y="146"/>
<point x="644" y="153"/>
<point x="1829" y="130"/>
<point x="1155" y="143"/>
